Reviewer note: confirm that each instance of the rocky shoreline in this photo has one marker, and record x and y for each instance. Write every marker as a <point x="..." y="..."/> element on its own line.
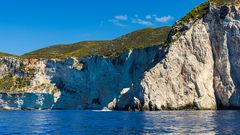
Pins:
<point x="199" y="70"/>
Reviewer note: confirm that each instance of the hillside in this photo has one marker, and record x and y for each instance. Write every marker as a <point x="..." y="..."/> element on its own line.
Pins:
<point x="109" y="48"/>
<point x="139" y="39"/>
<point x="5" y="54"/>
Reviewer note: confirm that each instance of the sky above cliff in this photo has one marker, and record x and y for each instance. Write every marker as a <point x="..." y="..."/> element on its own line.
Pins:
<point x="27" y="25"/>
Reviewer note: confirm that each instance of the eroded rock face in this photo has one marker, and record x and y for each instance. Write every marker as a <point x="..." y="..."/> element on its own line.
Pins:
<point x="184" y="77"/>
<point x="225" y="41"/>
<point x="79" y="83"/>
<point x="198" y="70"/>
<point x="202" y="66"/>
<point x="26" y="101"/>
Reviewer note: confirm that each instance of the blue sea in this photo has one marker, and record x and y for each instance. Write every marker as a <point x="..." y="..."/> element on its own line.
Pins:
<point x="64" y="122"/>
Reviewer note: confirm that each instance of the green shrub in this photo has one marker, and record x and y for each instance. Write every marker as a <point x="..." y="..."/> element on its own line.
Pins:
<point x="6" y="82"/>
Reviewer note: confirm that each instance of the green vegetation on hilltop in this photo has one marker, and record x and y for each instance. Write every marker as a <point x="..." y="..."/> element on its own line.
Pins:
<point x="138" y="39"/>
<point x="194" y="15"/>
<point x="110" y="48"/>
<point x="5" y="54"/>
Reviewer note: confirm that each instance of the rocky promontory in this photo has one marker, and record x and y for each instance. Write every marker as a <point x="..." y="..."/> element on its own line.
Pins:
<point x="196" y="68"/>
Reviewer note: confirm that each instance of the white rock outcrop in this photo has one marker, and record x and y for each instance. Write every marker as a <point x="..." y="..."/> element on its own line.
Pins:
<point x="201" y="69"/>
<point x="184" y="78"/>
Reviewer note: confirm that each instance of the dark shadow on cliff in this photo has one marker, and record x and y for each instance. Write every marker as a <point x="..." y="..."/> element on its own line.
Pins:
<point x="134" y="98"/>
<point x="131" y="67"/>
<point x="217" y="31"/>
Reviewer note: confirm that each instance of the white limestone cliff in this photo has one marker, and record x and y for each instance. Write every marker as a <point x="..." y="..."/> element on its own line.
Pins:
<point x="202" y="66"/>
<point x="198" y="70"/>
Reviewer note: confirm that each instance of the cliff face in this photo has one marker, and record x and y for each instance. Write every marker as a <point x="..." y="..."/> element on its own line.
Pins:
<point x="198" y="70"/>
<point x="185" y="77"/>
<point x="201" y="69"/>
<point x="84" y="83"/>
<point x="225" y="42"/>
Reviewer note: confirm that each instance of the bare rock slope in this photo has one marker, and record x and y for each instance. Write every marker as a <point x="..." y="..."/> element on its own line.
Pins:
<point x="201" y="69"/>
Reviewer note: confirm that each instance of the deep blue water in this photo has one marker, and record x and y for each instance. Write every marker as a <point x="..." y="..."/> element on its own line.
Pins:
<point x="93" y="122"/>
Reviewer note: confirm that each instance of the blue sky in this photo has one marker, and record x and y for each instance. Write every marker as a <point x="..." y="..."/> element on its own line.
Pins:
<point x="27" y="25"/>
